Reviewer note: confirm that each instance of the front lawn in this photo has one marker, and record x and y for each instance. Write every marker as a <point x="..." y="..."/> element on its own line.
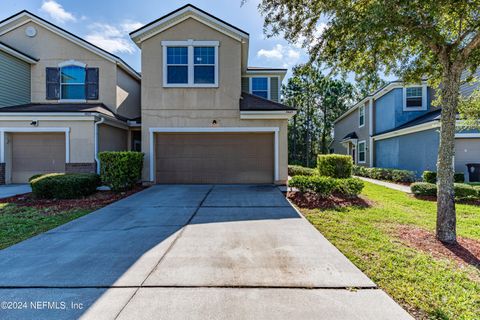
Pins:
<point x="22" y="217"/>
<point x="392" y="242"/>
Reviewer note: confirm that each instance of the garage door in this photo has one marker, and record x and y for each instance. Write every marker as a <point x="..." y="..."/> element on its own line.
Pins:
<point x="215" y="158"/>
<point x="34" y="153"/>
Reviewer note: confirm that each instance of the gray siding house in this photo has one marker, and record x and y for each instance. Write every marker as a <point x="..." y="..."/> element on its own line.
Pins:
<point x="398" y="127"/>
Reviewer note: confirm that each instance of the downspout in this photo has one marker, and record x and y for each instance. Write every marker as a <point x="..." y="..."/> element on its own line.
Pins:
<point x="97" y="160"/>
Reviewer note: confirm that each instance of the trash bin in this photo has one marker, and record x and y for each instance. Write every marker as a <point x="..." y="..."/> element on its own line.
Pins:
<point x="473" y="172"/>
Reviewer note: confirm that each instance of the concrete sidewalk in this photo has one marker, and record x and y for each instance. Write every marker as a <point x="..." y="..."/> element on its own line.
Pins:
<point x="190" y="252"/>
<point x="10" y="190"/>
<point x="390" y="185"/>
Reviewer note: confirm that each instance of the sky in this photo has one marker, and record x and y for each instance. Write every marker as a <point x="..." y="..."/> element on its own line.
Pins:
<point x="106" y="23"/>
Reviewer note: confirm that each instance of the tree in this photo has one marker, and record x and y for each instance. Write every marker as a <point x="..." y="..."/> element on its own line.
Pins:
<point x="413" y="39"/>
<point x="319" y="100"/>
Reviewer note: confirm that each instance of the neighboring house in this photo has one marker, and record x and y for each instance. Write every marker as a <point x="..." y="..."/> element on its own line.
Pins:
<point x="397" y="127"/>
<point x="62" y="100"/>
<point x="206" y="116"/>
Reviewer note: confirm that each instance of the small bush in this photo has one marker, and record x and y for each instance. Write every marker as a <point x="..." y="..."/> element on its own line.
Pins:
<point x="459" y="177"/>
<point x="294" y="170"/>
<point x="431" y="177"/>
<point x="394" y="175"/>
<point x="64" y="186"/>
<point x="424" y="189"/>
<point x="325" y="186"/>
<point x="335" y="165"/>
<point x="121" y="170"/>
<point x="350" y="187"/>
<point x="462" y="191"/>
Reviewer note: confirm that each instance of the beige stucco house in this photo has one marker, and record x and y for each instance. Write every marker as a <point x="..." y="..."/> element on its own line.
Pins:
<point x="206" y="116"/>
<point x="198" y="112"/>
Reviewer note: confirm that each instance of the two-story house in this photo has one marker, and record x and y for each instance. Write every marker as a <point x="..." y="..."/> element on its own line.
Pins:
<point x="198" y="112"/>
<point x="398" y="127"/>
<point x="206" y="116"/>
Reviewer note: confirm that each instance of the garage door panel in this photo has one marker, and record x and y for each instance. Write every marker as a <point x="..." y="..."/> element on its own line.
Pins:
<point x="215" y="158"/>
<point x="35" y="153"/>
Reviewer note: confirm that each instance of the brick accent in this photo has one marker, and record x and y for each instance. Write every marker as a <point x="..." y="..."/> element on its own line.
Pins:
<point x="2" y="173"/>
<point x="80" y="167"/>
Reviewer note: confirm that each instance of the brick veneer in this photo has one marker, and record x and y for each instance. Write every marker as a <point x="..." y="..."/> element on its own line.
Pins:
<point x="2" y="173"/>
<point x="80" y="167"/>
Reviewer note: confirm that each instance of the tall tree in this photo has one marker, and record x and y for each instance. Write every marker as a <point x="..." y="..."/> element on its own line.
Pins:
<point x="319" y="100"/>
<point x="413" y="39"/>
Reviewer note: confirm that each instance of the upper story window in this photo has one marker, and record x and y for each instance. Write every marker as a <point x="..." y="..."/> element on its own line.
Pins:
<point x="362" y="152"/>
<point x="72" y="81"/>
<point x="361" y="116"/>
<point x="190" y="63"/>
<point x="260" y="87"/>
<point x="415" y="98"/>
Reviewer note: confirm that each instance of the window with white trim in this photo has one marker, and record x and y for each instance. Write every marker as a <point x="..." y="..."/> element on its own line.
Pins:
<point x="361" y="116"/>
<point x="414" y="97"/>
<point x="190" y="63"/>
<point x="260" y="86"/>
<point x="362" y="152"/>
<point x="72" y="83"/>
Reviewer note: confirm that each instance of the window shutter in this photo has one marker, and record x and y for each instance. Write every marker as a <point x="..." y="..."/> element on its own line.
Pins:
<point x="274" y="94"/>
<point x="53" y="83"/>
<point x="91" y="83"/>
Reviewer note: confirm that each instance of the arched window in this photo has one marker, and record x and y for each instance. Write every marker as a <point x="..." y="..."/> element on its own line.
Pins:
<point x="72" y="82"/>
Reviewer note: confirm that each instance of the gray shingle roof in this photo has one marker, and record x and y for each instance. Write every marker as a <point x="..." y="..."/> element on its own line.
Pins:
<point x="250" y="102"/>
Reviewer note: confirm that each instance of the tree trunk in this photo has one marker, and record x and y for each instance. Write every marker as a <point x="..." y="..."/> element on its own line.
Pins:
<point x="307" y="142"/>
<point x="324" y="132"/>
<point x="294" y="139"/>
<point x="446" y="216"/>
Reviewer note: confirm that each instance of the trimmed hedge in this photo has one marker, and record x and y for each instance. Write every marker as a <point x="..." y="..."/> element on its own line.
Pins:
<point x="326" y="186"/>
<point x="431" y="177"/>
<point x="394" y="175"/>
<point x="64" y="185"/>
<point x="462" y="191"/>
<point x="294" y="170"/>
<point x="335" y="165"/>
<point x="121" y="170"/>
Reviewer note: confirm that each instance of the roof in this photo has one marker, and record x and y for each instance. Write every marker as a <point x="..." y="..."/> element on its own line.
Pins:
<point x="74" y="38"/>
<point x="18" y="54"/>
<point x="62" y="107"/>
<point x="427" y="117"/>
<point x="188" y="8"/>
<point x="250" y="102"/>
<point x="350" y="136"/>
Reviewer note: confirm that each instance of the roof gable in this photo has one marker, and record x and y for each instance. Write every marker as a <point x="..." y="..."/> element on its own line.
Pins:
<point x="25" y="16"/>
<point x="188" y="11"/>
<point x="18" y="54"/>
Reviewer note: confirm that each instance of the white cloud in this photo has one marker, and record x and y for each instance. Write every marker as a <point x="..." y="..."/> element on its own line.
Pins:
<point x="112" y="38"/>
<point x="284" y="54"/>
<point x="275" y="53"/>
<point x="56" y="11"/>
<point x="129" y="26"/>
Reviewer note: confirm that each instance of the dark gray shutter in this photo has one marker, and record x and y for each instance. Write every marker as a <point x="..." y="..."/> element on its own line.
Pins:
<point x="91" y="83"/>
<point x="53" y="83"/>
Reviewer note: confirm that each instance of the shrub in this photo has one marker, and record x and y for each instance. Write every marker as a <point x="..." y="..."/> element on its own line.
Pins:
<point x="294" y="170"/>
<point x="64" y="186"/>
<point x="325" y="186"/>
<point x="350" y="187"/>
<point x="431" y="177"/>
<point x="121" y="170"/>
<point x="394" y="175"/>
<point x="462" y="191"/>
<point x="335" y="165"/>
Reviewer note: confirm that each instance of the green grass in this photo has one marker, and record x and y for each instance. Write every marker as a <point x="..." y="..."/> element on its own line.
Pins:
<point x="18" y="223"/>
<point x="435" y="288"/>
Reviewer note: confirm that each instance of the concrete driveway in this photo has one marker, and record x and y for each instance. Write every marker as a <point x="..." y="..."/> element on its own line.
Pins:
<point x="188" y="252"/>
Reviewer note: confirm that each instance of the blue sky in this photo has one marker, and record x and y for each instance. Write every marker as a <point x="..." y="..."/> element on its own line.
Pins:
<point x="107" y="23"/>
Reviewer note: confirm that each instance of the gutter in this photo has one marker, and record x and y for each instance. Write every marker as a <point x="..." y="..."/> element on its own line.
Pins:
<point x="97" y="160"/>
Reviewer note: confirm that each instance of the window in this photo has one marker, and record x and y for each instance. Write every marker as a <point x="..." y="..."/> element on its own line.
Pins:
<point x="415" y="98"/>
<point x="72" y="83"/>
<point x="361" y="152"/>
<point x="260" y="87"/>
<point x="204" y="60"/>
<point x="361" y="116"/>
<point x="177" y="65"/>
<point x="190" y="63"/>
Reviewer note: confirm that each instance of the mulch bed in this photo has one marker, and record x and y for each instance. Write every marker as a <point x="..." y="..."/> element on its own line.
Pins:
<point x="466" y="251"/>
<point x="53" y="206"/>
<point x="313" y="201"/>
